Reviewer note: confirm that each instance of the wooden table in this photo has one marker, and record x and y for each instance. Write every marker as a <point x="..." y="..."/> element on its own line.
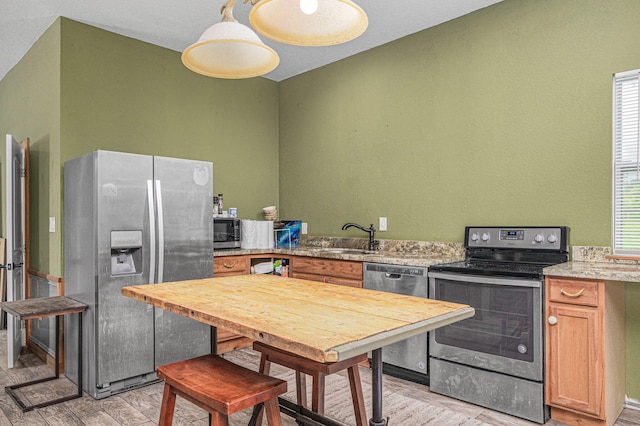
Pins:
<point x="37" y="309"/>
<point x="322" y="322"/>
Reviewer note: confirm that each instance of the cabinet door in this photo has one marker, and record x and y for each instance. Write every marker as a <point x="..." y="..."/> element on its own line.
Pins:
<point x="575" y="359"/>
<point x="224" y="266"/>
<point x="327" y="267"/>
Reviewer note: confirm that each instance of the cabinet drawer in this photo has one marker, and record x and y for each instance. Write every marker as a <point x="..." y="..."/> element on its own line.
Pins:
<point x="344" y="281"/>
<point x="236" y="265"/>
<point x="327" y="267"/>
<point x="576" y="292"/>
<point x="329" y="280"/>
<point x="310" y="277"/>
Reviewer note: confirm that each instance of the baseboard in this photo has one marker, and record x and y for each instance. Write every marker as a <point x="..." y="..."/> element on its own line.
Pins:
<point x="44" y="355"/>
<point x="632" y="404"/>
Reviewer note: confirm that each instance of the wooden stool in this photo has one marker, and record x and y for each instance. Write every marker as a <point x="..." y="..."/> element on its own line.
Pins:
<point x="318" y="371"/>
<point x="219" y="387"/>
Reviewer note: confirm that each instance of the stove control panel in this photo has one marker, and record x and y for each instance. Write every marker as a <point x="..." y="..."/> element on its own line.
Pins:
<point x="526" y="237"/>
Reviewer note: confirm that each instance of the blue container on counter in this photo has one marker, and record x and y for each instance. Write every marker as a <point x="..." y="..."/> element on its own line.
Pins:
<point x="287" y="233"/>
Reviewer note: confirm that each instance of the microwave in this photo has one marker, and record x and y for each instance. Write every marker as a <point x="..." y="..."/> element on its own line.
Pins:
<point x="226" y="233"/>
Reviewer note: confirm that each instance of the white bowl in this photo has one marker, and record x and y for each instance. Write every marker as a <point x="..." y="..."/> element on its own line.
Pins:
<point x="269" y="209"/>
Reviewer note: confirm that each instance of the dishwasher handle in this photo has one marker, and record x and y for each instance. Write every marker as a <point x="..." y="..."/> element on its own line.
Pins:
<point x="393" y="276"/>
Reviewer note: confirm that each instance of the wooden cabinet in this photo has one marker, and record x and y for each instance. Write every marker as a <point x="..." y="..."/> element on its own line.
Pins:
<point x="342" y="272"/>
<point x="224" y="266"/>
<point x="585" y="350"/>
<point x="231" y="265"/>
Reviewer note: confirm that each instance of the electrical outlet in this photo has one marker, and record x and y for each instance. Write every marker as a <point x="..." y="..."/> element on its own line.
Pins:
<point x="382" y="224"/>
<point x="304" y="228"/>
<point x="52" y="224"/>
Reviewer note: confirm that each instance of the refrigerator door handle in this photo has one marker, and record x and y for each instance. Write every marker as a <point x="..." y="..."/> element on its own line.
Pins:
<point x="152" y="234"/>
<point x="160" y="232"/>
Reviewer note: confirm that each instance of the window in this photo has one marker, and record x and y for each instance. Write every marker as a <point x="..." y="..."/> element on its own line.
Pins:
<point x="626" y="164"/>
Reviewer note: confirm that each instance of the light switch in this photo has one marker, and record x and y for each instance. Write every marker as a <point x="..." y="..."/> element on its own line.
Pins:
<point x="303" y="230"/>
<point x="52" y="224"/>
<point x="382" y="224"/>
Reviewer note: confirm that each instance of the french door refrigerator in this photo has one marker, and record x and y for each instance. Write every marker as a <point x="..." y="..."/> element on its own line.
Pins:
<point x="133" y="219"/>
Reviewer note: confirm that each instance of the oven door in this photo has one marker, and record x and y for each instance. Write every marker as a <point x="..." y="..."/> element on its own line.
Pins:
<point x="505" y="335"/>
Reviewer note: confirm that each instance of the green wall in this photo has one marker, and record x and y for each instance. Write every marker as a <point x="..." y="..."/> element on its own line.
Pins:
<point x="80" y="88"/>
<point x="499" y="117"/>
<point x="121" y="94"/>
<point x="466" y="123"/>
<point x="30" y="108"/>
<point x="632" y="339"/>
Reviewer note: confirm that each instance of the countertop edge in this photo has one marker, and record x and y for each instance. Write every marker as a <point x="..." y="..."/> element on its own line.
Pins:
<point x="391" y="258"/>
<point x="606" y="271"/>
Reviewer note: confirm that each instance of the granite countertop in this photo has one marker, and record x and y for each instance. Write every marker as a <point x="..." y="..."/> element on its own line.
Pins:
<point x="587" y="261"/>
<point x="608" y="271"/>
<point x="393" y="252"/>
<point x="596" y="263"/>
<point x="392" y="258"/>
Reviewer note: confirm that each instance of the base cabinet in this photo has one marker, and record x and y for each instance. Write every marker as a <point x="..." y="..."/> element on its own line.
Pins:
<point x="342" y="272"/>
<point x="585" y="351"/>
<point x="224" y="266"/>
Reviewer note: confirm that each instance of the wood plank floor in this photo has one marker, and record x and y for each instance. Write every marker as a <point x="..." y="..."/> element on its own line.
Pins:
<point x="406" y="403"/>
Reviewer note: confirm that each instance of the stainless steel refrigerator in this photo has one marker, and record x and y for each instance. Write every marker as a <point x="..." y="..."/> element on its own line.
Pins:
<point x="133" y="219"/>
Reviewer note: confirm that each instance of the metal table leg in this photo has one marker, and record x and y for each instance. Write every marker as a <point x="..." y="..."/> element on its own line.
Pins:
<point x="376" y="389"/>
<point x="11" y="389"/>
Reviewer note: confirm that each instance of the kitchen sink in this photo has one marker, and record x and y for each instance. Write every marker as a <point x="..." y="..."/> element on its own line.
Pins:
<point x="345" y="251"/>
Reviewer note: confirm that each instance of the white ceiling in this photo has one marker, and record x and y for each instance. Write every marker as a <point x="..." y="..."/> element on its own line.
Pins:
<point x="176" y="24"/>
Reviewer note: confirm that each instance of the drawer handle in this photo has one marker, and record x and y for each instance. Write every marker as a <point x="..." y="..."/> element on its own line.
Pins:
<point x="578" y="294"/>
<point x="229" y="265"/>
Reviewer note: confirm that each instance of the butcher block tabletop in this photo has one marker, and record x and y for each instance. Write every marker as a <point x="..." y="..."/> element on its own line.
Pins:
<point x="322" y="322"/>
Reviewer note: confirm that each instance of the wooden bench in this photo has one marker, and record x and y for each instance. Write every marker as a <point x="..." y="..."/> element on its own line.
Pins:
<point x="318" y="371"/>
<point x="219" y="387"/>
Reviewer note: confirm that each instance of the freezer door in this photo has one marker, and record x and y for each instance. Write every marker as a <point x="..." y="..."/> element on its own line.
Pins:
<point x="124" y="327"/>
<point x="184" y="191"/>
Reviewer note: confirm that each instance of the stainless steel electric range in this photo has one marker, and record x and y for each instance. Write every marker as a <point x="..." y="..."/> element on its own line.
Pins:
<point x="496" y="358"/>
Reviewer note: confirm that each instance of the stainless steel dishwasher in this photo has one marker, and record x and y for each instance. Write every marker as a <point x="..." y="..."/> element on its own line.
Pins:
<point x="407" y="359"/>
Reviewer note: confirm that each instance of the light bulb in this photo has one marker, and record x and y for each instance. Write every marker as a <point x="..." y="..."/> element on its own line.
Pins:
<point x="309" y="6"/>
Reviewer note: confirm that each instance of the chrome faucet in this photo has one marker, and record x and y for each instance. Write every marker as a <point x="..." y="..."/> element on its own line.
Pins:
<point x="370" y="230"/>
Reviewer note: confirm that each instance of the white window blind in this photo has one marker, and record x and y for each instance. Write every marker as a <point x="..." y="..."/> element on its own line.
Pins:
<point x="626" y="164"/>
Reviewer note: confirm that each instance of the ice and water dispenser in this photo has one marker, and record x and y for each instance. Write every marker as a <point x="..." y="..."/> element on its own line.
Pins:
<point x="126" y="252"/>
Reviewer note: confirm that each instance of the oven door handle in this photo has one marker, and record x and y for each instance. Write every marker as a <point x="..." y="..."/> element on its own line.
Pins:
<point x="485" y="280"/>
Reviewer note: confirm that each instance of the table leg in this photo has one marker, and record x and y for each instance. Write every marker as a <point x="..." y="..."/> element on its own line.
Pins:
<point x="57" y="350"/>
<point x="214" y="350"/>
<point x="376" y="388"/>
<point x="11" y="389"/>
<point x="79" y="354"/>
<point x="214" y="339"/>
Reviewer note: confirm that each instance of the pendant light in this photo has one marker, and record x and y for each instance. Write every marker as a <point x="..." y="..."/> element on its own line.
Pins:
<point x="229" y="49"/>
<point x="308" y="22"/>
